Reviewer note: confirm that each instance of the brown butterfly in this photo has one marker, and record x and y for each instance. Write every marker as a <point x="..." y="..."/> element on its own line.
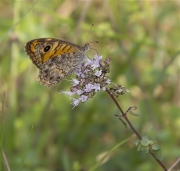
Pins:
<point x="56" y="59"/>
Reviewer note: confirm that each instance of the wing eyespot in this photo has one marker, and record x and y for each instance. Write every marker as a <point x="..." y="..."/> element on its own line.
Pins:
<point x="47" y="48"/>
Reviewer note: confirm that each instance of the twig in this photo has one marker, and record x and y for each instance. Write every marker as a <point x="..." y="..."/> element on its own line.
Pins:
<point x="133" y="129"/>
<point x="5" y="160"/>
<point x="175" y="163"/>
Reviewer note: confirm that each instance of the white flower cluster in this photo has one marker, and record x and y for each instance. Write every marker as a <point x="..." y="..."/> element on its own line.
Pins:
<point x="90" y="78"/>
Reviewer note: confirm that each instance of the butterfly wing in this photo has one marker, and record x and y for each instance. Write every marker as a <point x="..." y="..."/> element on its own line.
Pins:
<point x="55" y="58"/>
<point x="42" y="49"/>
<point x="57" y="68"/>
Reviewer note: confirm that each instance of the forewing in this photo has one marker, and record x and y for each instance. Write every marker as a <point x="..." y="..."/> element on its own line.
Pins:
<point x="37" y="49"/>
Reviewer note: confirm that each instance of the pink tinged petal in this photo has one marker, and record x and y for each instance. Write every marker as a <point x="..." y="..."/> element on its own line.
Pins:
<point x="97" y="87"/>
<point x="96" y="57"/>
<point x="88" y="62"/>
<point x="98" y="73"/>
<point x="75" y="102"/>
<point x="79" y="92"/>
<point x="108" y="81"/>
<point x="120" y="90"/>
<point x="78" y="71"/>
<point x="104" y="88"/>
<point x="88" y="87"/>
<point x="75" y="82"/>
<point x="78" y="74"/>
<point x="95" y="65"/>
<point x="86" y="70"/>
<point x="67" y="92"/>
<point x="83" y="98"/>
<point x="81" y="75"/>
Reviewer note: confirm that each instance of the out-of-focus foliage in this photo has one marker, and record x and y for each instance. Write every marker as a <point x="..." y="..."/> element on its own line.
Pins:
<point x="142" y="39"/>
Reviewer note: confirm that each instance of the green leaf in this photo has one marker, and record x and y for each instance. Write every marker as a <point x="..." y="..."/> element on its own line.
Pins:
<point x="134" y="114"/>
<point x="155" y="146"/>
<point x="143" y="150"/>
<point x="144" y="142"/>
<point x="158" y="154"/>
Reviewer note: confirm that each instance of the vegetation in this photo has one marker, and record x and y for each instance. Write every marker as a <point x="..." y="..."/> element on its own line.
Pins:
<point x="39" y="128"/>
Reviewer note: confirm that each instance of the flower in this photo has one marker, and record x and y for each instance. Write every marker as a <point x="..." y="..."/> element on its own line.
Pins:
<point x="83" y="98"/>
<point x="75" y="82"/>
<point x="91" y="78"/>
<point x="98" y="73"/>
<point x="75" y="102"/>
<point x="96" y="61"/>
<point x="97" y="87"/>
<point x="67" y="92"/>
<point x="88" y="87"/>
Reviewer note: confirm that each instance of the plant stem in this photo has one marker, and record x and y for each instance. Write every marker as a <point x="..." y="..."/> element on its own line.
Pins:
<point x="133" y="129"/>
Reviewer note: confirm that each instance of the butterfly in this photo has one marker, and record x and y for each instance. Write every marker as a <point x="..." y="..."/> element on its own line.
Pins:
<point x="56" y="59"/>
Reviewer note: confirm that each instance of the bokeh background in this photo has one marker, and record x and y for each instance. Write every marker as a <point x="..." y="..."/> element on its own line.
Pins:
<point x="41" y="130"/>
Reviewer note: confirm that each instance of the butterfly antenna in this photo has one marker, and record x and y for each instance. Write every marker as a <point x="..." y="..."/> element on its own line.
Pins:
<point x="89" y="31"/>
<point x="93" y="48"/>
<point x="93" y="41"/>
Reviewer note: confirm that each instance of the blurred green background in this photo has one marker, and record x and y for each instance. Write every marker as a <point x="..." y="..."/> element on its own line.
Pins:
<point x="143" y="40"/>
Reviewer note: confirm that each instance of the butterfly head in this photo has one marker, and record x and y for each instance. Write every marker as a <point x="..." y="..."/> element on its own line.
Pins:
<point x="86" y="47"/>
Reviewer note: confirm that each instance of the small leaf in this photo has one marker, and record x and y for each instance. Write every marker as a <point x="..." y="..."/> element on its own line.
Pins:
<point x="143" y="150"/>
<point x="134" y="114"/>
<point x="130" y="109"/>
<point x="144" y="142"/>
<point x="158" y="154"/>
<point x="133" y="107"/>
<point x="155" y="146"/>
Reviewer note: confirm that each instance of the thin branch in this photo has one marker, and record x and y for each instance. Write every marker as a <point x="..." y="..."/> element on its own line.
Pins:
<point x="123" y="114"/>
<point x="175" y="163"/>
<point x="133" y="129"/>
<point x="5" y="160"/>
